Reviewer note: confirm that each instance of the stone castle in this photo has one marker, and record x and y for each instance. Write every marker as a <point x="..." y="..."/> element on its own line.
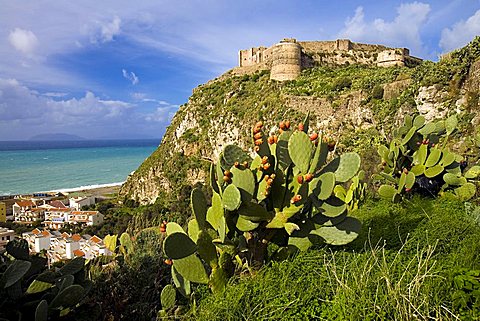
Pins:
<point x="286" y="59"/>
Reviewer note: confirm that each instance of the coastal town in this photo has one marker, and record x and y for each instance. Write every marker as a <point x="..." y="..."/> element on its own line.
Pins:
<point x="53" y="217"/>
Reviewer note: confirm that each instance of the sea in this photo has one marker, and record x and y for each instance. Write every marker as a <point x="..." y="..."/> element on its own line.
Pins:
<point x="40" y="166"/>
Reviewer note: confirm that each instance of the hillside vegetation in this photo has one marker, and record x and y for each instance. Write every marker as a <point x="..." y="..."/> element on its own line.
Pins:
<point x="416" y="257"/>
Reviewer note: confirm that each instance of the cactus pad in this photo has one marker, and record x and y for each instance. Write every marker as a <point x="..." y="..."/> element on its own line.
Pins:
<point x="323" y="185"/>
<point x="451" y="124"/>
<point x="173" y="227"/>
<point x="434" y="171"/>
<point x="181" y="284"/>
<point x="348" y="167"/>
<point x="215" y="212"/>
<point x="206" y="249"/>
<point x="41" y="312"/>
<point x="254" y="212"/>
<point x="419" y="121"/>
<point x="218" y="280"/>
<point x="340" y="234"/>
<point x="300" y="150"/>
<point x="387" y="191"/>
<point x="434" y="157"/>
<point x="245" y="225"/>
<point x="232" y="154"/>
<point x="473" y="172"/>
<point x="68" y="297"/>
<point x="466" y="191"/>
<point x="15" y="272"/>
<point x="333" y="207"/>
<point x="199" y="207"/>
<point x="452" y="179"/>
<point x="231" y="198"/>
<point x="167" y="297"/>
<point x="283" y="157"/>
<point x="193" y="230"/>
<point x="126" y="242"/>
<point x="178" y="246"/>
<point x="244" y="180"/>
<point x="191" y="268"/>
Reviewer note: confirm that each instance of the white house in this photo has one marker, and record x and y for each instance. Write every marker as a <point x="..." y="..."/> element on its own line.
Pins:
<point x="62" y="246"/>
<point x="85" y="217"/>
<point x="78" y="202"/>
<point x="58" y="217"/>
<point x="6" y="236"/>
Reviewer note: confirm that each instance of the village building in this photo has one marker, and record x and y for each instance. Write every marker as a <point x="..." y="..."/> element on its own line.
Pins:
<point x="6" y="236"/>
<point x="58" y="217"/>
<point x="62" y="246"/>
<point x="3" y="212"/>
<point x="78" y="202"/>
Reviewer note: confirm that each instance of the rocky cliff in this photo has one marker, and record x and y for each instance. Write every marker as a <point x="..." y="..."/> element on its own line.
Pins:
<point x="353" y="104"/>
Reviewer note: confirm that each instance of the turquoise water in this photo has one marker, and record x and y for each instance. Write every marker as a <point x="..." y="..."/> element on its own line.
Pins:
<point x="27" y="167"/>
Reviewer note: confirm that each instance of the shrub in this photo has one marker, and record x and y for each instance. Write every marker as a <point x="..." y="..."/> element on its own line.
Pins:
<point x="377" y="92"/>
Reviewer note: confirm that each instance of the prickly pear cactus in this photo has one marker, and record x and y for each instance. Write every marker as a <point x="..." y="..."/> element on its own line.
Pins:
<point x="417" y="160"/>
<point x="293" y="193"/>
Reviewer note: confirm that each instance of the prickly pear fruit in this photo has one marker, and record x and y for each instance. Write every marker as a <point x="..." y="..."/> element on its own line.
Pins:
<point x="296" y="198"/>
<point x="313" y="136"/>
<point x="301" y="127"/>
<point x="308" y="177"/>
<point x="168" y="262"/>
<point x="287" y="124"/>
<point x="300" y="179"/>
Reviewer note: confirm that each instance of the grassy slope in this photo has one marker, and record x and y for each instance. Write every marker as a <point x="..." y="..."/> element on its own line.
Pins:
<point x="401" y="267"/>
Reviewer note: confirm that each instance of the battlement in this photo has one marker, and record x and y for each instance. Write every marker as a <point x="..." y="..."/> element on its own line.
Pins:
<point x="287" y="58"/>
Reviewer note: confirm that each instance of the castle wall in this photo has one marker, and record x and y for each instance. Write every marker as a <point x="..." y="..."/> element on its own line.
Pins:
<point x="287" y="58"/>
<point x="391" y="57"/>
<point x="286" y="61"/>
<point x="473" y="79"/>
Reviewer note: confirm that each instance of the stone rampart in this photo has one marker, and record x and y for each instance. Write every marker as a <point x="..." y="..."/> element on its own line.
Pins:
<point x="287" y="58"/>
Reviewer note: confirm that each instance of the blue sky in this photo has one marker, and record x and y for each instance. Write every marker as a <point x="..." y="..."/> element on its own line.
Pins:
<point x="120" y="69"/>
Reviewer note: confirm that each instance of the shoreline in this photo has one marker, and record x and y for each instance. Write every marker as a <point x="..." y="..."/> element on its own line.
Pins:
<point x="96" y="189"/>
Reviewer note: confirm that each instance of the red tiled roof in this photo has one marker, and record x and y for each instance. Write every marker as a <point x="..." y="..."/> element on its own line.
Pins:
<point x="78" y="253"/>
<point x="76" y="237"/>
<point x="85" y="212"/>
<point x="57" y="204"/>
<point x="46" y="233"/>
<point x="65" y="235"/>
<point x="25" y="203"/>
<point x="36" y="231"/>
<point x="56" y="209"/>
<point x="95" y="239"/>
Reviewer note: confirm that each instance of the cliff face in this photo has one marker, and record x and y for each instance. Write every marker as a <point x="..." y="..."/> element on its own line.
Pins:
<point x="353" y="104"/>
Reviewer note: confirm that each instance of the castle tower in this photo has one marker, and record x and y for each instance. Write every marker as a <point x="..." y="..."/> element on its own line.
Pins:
<point x="286" y="60"/>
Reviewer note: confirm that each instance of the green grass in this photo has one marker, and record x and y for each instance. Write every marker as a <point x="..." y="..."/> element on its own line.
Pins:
<point x="400" y="268"/>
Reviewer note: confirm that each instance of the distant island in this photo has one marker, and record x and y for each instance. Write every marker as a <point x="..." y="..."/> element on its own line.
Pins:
<point x="56" y="137"/>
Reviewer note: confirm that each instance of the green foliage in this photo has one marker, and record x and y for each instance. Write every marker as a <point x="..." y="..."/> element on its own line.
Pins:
<point x="286" y="196"/>
<point x="377" y="92"/>
<point x="417" y="160"/>
<point x="418" y="258"/>
<point x="29" y="291"/>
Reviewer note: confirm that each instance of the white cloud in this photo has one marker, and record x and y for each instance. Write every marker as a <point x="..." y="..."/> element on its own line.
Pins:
<point x="111" y="29"/>
<point x="54" y="94"/>
<point x="130" y="76"/>
<point x="163" y="113"/>
<point x="403" y="31"/>
<point x="25" y="112"/>
<point x="460" y="33"/>
<point x="22" y="40"/>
